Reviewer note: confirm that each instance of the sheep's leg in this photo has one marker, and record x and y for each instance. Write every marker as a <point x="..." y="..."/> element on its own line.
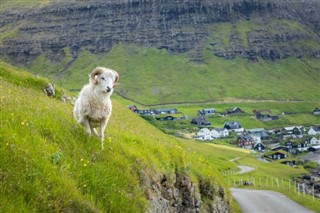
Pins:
<point x="103" y="125"/>
<point x="86" y="125"/>
<point x="94" y="132"/>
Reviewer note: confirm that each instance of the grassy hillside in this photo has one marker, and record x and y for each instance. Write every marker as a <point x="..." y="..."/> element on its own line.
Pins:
<point x="152" y="76"/>
<point x="50" y="165"/>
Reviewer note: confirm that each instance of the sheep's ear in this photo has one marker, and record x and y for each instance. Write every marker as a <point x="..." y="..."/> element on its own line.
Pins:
<point x="94" y="75"/>
<point x="116" y="79"/>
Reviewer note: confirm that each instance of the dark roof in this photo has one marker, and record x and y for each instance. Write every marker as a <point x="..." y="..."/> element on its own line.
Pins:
<point x="316" y="128"/>
<point x="233" y="124"/>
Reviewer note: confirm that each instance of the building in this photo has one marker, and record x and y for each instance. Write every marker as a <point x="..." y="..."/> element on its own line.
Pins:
<point x="235" y="110"/>
<point x="209" y="111"/>
<point x="277" y="155"/>
<point x="200" y="121"/>
<point x="314" y="130"/>
<point x="245" y="141"/>
<point x="165" y="111"/>
<point x="233" y="126"/>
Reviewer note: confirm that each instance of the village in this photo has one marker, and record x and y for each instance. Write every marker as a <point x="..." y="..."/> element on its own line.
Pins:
<point x="280" y="144"/>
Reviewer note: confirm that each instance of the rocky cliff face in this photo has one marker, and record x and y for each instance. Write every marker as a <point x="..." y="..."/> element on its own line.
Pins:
<point x="175" y="25"/>
<point x="180" y="194"/>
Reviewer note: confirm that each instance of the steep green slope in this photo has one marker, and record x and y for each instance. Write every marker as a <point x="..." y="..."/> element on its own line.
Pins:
<point x="152" y="76"/>
<point x="48" y="164"/>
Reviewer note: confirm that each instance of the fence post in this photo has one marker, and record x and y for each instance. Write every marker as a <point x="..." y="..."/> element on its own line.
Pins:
<point x="267" y="182"/>
<point x="289" y="184"/>
<point x="313" y="193"/>
<point x="260" y="181"/>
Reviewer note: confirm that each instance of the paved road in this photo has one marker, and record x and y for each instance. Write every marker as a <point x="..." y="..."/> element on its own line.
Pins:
<point x="263" y="201"/>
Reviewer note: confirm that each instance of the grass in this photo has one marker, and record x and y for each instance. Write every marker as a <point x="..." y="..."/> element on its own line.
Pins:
<point x="50" y="165"/>
<point x="7" y="4"/>
<point x="151" y="76"/>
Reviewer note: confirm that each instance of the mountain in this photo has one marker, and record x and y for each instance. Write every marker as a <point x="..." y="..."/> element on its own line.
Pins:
<point x="276" y="29"/>
<point x="222" y="40"/>
<point x="48" y="163"/>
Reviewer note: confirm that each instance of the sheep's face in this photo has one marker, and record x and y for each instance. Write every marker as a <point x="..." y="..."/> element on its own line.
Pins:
<point x="104" y="79"/>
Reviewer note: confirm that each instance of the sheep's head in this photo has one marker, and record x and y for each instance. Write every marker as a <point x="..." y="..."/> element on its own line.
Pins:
<point x="106" y="79"/>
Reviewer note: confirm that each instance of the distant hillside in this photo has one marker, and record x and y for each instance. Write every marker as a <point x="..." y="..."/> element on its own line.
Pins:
<point x="274" y="29"/>
<point x="48" y="164"/>
<point x="171" y="50"/>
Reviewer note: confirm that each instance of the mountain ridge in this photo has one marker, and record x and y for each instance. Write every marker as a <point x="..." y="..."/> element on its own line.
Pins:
<point x="176" y="26"/>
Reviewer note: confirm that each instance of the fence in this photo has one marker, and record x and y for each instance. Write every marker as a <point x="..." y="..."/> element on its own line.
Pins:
<point x="274" y="183"/>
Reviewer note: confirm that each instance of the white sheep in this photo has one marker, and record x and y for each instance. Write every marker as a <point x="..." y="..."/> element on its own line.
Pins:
<point x="93" y="106"/>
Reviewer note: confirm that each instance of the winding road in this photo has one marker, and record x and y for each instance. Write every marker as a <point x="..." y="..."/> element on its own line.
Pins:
<point x="263" y="201"/>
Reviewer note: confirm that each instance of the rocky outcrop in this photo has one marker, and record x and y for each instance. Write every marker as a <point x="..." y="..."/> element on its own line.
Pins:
<point x="179" y="193"/>
<point x="176" y="25"/>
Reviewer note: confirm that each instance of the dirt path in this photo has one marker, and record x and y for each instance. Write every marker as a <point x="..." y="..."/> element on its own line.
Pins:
<point x="245" y="169"/>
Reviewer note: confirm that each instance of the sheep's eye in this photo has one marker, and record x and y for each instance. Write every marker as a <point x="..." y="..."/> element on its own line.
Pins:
<point x="102" y="78"/>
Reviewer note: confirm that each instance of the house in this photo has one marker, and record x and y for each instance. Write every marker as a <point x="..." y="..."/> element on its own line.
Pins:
<point x="233" y="126"/>
<point x="266" y="117"/>
<point x="223" y="132"/>
<point x="277" y="155"/>
<point x="260" y="147"/>
<point x="294" y="130"/>
<point x="260" y="132"/>
<point x="288" y="162"/>
<point x="144" y="112"/>
<point x="206" y="134"/>
<point x="170" y="117"/>
<point x="314" y="149"/>
<point x="303" y="146"/>
<point x="316" y="111"/>
<point x="245" y="141"/>
<point x="209" y="111"/>
<point x="166" y="118"/>
<point x="288" y="144"/>
<point x="314" y="130"/>
<point x="200" y="121"/>
<point x="234" y="110"/>
<point x="203" y="134"/>
<point x="165" y="111"/>
<point x="289" y="147"/>
<point x="314" y="141"/>
<point x="215" y="133"/>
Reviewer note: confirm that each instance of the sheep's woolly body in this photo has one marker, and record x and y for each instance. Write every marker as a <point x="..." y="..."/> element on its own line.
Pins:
<point x="93" y="107"/>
